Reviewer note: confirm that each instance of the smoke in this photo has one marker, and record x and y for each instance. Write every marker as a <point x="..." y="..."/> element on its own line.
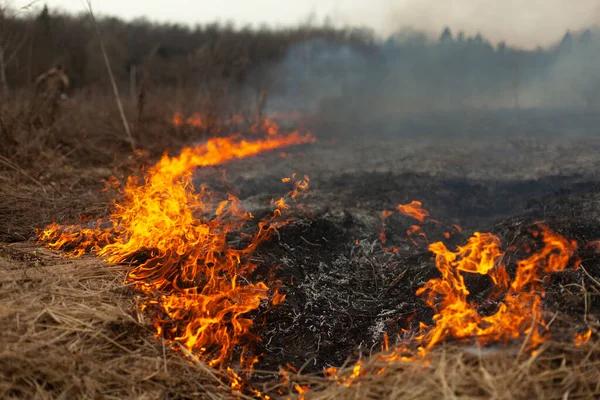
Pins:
<point x="411" y="74"/>
<point x="522" y="23"/>
<point x="317" y="70"/>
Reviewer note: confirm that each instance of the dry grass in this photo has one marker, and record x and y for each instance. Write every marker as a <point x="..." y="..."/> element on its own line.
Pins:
<point x="56" y="172"/>
<point x="71" y="329"/>
<point x="557" y="371"/>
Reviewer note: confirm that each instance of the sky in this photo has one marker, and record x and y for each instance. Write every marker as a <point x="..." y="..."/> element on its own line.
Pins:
<point x="524" y="23"/>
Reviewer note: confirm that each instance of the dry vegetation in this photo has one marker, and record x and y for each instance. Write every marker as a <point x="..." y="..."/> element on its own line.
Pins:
<point x="72" y="329"/>
<point x="556" y="372"/>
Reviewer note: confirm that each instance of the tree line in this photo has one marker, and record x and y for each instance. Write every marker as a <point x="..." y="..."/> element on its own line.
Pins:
<point x="175" y="54"/>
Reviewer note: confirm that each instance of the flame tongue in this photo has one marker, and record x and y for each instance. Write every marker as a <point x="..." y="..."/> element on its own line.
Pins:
<point x="414" y="209"/>
<point x="177" y="238"/>
<point x="520" y="310"/>
<point x="211" y="322"/>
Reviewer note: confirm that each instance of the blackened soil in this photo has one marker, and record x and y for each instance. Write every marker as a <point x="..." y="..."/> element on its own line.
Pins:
<point x="340" y="299"/>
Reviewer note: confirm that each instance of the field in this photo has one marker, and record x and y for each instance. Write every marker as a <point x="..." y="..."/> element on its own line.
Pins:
<point x="76" y="328"/>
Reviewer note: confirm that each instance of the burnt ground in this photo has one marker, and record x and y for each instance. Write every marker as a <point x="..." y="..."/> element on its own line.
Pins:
<point x="344" y="291"/>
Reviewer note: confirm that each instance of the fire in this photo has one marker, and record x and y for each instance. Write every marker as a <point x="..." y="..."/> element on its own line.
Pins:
<point x="196" y="282"/>
<point x="196" y="120"/>
<point x="520" y="311"/>
<point x="178" y="119"/>
<point x="301" y="389"/>
<point x="582" y="338"/>
<point x="357" y="371"/>
<point x="266" y="125"/>
<point x="177" y="239"/>
<point x="415" y="230"/>
<point x="414" y="209"/>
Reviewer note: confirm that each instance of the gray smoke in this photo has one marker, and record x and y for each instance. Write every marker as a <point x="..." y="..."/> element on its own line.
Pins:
<point x="410" y="73"/>
<point x="525" y="24"/>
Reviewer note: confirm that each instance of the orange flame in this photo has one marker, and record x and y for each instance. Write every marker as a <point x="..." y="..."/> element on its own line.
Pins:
<point x="301" y="389"/>
<point x="263" y="125"/>
<point x="415" y="230"/>
<point x="518" y="314"/>
<point x="195" y="120"/>
<point x="414" y="209"/>
<point x="177" y="239"/>
<point x="520" y="310"/>
<point x="583" y="338"/>
<point x="178" y="119"/>
<point x="333" y="373"/>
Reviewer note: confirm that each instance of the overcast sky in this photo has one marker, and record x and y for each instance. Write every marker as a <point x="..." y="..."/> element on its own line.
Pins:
<point x="525" y="23"/>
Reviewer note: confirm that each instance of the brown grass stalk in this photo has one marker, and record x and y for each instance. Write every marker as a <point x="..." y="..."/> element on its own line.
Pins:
<point x="112" y="77"/>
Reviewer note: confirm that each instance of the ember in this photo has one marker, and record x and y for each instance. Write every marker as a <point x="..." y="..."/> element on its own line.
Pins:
<point x="414" y="209"/>
<point x="583" y="338"/>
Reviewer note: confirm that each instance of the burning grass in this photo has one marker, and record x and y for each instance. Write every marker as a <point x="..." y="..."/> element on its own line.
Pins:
<point x="191" y="275"/>
<point x="198" y="281"/>
<point x="556" y="371"/>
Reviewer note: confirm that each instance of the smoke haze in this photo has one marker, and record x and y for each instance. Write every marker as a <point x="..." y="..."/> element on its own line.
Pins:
<point x="410" y="74"/>
<point x="520" y="23"/>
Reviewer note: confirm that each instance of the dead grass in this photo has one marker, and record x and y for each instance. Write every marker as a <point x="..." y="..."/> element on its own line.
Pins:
<point x="557" y="371"/>
<point x="56" y="172"/>
<point x="71" y="329"/>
